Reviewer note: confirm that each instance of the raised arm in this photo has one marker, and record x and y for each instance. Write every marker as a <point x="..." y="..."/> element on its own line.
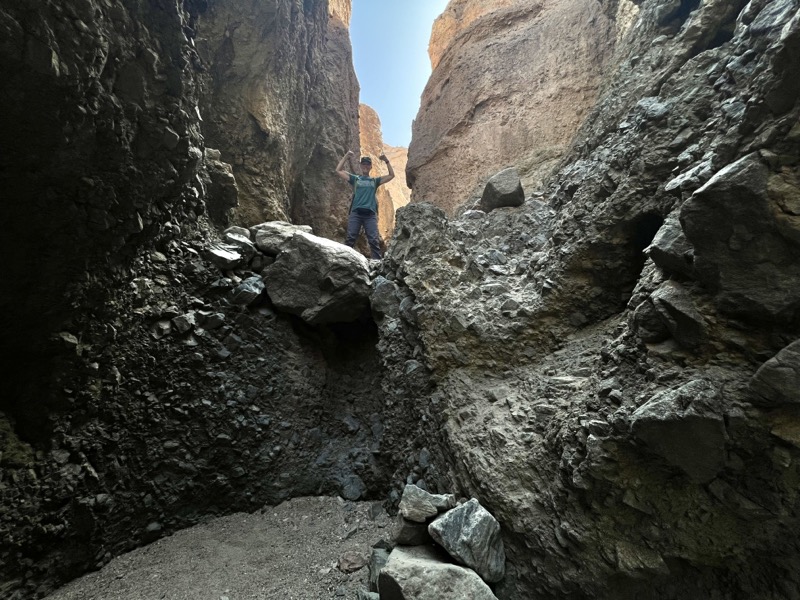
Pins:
<point x="390" y="176"/>
<point x="340" y="167"/>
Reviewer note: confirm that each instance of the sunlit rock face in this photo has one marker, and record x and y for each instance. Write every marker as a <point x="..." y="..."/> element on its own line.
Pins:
<point x="512" y="82"/>
<point x="281" y="103"/>
<point x="396" y="193"/>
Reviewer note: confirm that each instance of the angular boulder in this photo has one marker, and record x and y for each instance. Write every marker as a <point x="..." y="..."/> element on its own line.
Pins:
<point x="745" y="228"/>
<point x="319" y="280"/>
<point x="674" y="305"/>
<point x="422" y="573"/>
<point x="419" y="505"/>
<point x="685" y="426"/>
<point x="410" y="533"/>
<point x="270" y="237"/>
<point x="777" y="381"/>
<point x="224" y="257"/>
<point x="247" y="291"/>
<point x="670" y="249"/>
<point x="471" y="535"/>
<point x="503" y="189"/>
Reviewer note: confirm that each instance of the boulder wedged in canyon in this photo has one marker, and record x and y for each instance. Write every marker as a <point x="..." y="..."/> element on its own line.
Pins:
<point x="512" y="81"/>
<point x="281" y="103"/>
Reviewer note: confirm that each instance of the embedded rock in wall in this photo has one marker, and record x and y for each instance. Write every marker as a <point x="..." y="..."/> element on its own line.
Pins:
<point x="512" y="82"/>
<point x="102" y="152"/>
<point x="396" y="193"/>
<point x="281" y="102"/>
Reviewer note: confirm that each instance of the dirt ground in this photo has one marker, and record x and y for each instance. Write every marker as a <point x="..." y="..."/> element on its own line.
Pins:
<point x="288" y="552"/>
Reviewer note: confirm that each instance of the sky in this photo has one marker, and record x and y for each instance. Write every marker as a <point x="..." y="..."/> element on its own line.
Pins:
<point x="390" y="53"/>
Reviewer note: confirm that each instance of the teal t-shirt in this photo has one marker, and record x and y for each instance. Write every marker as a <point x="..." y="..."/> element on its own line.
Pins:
<point x="364" y="189"/>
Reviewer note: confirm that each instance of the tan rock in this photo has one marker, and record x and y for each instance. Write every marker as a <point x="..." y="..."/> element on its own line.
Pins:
<point x="512" y="82"/>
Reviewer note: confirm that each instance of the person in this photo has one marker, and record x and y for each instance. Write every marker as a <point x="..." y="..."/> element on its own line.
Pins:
<point x="364" y="204"/>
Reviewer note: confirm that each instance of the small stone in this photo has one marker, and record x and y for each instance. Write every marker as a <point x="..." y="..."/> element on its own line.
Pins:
<point x="351" y="561"/>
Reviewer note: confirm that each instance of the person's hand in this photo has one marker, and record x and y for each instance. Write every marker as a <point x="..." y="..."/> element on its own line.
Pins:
<point x="349" y="153"/>
<point x="384" y="158"/>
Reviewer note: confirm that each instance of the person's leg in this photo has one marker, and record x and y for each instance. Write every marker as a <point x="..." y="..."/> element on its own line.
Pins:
<point x="353" y="228"/>
<point x="371" y="229"/>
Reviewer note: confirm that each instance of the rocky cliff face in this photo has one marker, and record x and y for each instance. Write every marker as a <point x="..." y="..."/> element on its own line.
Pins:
<point x="396" y="193"/>
<point x="613" y="363"/>
<point x="512" y="82"/>
<point x="281" y="103"/>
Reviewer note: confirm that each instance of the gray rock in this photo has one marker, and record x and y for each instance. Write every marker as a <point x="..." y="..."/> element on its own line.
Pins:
<point x="270" y="237"/>
<point x="365" y="595"/>
<point x="471" y="535"/>
<point x="248" y="291"/>
<point x="385" y="300"/>
<point x="676" y="308"/>
<point x="242" y="243"/>
<point x="685" y="426"/>
<point x="319" y="280"/>
<point x="422" y="573"/>
<point x="185" y="322"/>
<point x="410" y="533"/>
<point x="650" y="326"/>
<point x="240" y="231"/>
<point x="777" y="381"/>
<point x="670" y="249"/>
<point x="417" y="505"/>
<point x="352" y="487"/>
<point x="377" y="561"/>
<point x="224" y="257"/>
<point x="746" y="237"/>
<point x="503" y="189"/>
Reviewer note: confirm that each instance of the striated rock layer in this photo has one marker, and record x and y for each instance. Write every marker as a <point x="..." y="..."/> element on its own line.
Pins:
<point x="512" y="81"/>
<point x="281" y="102"/>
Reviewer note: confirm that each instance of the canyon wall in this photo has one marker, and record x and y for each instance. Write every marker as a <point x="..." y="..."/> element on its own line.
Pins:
<point x="280" y="101"/>
<point x="512" y="81"/>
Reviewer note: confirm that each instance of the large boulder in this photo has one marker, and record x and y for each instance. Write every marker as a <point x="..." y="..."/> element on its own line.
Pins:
<point x="319" y="280"/>
<point x="418" y="505"/>
<point x="744" y="225"/>
<point x="271" y="236"/>
<point x="471" y="535"/>
<point x="685" y="426"/>
<point x="777" y="381"/>
<point x="422" y="573"/>
<point x="503" y="189"/>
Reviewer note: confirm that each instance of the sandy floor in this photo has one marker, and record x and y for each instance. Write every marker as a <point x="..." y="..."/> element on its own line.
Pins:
<point x="288" y="552"/>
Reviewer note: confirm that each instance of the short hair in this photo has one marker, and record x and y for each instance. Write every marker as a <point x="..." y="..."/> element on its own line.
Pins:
<point x="366" y="160"/>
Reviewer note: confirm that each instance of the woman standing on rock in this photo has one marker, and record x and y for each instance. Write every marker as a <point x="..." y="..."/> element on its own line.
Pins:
<point x="364" y="205"/>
